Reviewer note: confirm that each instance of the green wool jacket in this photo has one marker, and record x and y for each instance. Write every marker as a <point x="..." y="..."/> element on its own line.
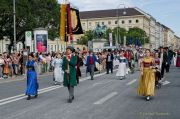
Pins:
<point x="72" y="71"/>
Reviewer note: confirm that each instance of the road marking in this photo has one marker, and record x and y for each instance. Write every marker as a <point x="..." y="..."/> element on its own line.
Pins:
<point x="44" y="90"/>
<point x="106" y="98"/>
<point x="165" y="83"/>
<point x="19" y="98"/>
<point x="10" y="98"/>
<point x="131" y="82"/>
<point x="99" y="83"/>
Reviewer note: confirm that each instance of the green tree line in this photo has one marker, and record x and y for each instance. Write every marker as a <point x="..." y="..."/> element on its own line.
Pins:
<point x="118" y="34"/>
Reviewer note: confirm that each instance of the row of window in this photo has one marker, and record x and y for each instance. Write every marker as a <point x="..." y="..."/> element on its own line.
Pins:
<point x="55" y="47"/>
<point x="110" y="22"/>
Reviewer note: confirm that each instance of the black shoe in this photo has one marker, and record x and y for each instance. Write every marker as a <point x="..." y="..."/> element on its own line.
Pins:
<point x="73" y="98"/>
<point x="147" y="98"/>
<point x="69" y="100"/>
<point x="36" y="96"/>
<point x="29" y="97"/>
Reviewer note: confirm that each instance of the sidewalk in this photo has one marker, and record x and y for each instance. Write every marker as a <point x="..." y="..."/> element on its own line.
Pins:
<point x="21" y="77"/>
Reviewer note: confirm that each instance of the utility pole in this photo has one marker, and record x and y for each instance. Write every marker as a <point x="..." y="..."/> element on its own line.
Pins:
<point x="14" y="14"/>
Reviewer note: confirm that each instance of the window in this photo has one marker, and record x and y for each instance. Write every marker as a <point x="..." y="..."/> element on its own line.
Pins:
<point x="123" y="22"/>
<point x="89" y="23"/>
<point x="84" y="24"/>
<point x="130" y="21"/>
<point x="97" y="23"/>
<point x="109" y="22"/>
<point x="116" y="22"/>
<point x="137" y="21"/>
<point x="51" y="47"/>
<point x="55" y="47"/>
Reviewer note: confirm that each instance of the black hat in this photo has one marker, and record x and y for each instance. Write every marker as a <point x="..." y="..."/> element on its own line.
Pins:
<point x="109" y="50"/>
<point x="70" y="47"/>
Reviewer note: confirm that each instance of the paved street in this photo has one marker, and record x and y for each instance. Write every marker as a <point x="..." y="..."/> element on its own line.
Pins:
<point x="106" y="97"/>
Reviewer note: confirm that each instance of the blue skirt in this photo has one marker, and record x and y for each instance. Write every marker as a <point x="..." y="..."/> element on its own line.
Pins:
<point x="32" y="84"/>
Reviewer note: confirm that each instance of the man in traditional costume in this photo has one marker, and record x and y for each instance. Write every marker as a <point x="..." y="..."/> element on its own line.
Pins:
<point x="109" y="61"/>
<point x="69" y="67"/>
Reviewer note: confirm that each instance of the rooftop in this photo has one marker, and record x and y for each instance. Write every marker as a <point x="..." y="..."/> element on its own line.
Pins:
<point x="109" y="13"/>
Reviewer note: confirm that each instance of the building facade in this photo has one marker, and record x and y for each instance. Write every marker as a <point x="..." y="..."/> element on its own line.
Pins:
<point x="53" y="46"/>
<point x="128" y="18"/>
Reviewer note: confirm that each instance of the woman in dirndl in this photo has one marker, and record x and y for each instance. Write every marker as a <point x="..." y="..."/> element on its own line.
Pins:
<point x="58" y="72"/>
<point x="147" y="79"/>
<point x="122" y="69"/>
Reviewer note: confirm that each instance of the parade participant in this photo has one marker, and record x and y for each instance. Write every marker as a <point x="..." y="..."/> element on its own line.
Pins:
<point x="128" y="55"/>
<point x="109" y="61"/>
<point x="24" y="60"/>
<point x="175" y="57"/>
<point x="147" y="79"/>
<point x="91" y="60"/>
<point x="122" y="70"/>
<point x="178" y="58"/>
<point x="137" y="57"/>
<point x="32" y="83"/>
<point x="79" y="63"/>
<point x="6" y="65"/>
<point x="69" y="68"/>
<point x="1" y="66"/>
<point x="157" y="72"/>
<point x="15" y="62"/>
<point x="58" y="72"/>
<point x="170" y="54"/>
<point x="163" y="60"/>
<point x="140" y="57"/>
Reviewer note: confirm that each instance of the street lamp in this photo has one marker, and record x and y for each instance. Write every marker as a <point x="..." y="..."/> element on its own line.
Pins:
<point x="124" y="13"/>
<point x="14" y="15"/>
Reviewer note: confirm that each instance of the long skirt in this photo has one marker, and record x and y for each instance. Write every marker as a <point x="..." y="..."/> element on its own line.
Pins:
<point x="6" y="69"/>
<point x="147" y="83"/>
<point x="178" y="62"/>
<point x="122" y="70"/>
<point x="32" y="84"/>
<point x="58" y="74"/>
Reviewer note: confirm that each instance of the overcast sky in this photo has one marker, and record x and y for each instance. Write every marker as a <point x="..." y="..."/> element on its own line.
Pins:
<point x="166" y="12"/>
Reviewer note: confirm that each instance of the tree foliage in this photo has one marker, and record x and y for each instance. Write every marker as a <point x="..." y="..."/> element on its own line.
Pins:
<point x="30" y="14"/>
<point x="88" y="36"/>
<point x="137" y="33"/>
<point x="118" y="36"/>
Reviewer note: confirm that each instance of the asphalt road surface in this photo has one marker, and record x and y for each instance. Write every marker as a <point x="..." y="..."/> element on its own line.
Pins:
<point x="106" y="97"/>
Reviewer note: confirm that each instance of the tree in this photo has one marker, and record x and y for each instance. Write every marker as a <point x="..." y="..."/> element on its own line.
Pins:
<point x="88" y="36"/>
<point x="30" y="14"/>
<point x="137" y="33"/>
<point x="118" y="34"/>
